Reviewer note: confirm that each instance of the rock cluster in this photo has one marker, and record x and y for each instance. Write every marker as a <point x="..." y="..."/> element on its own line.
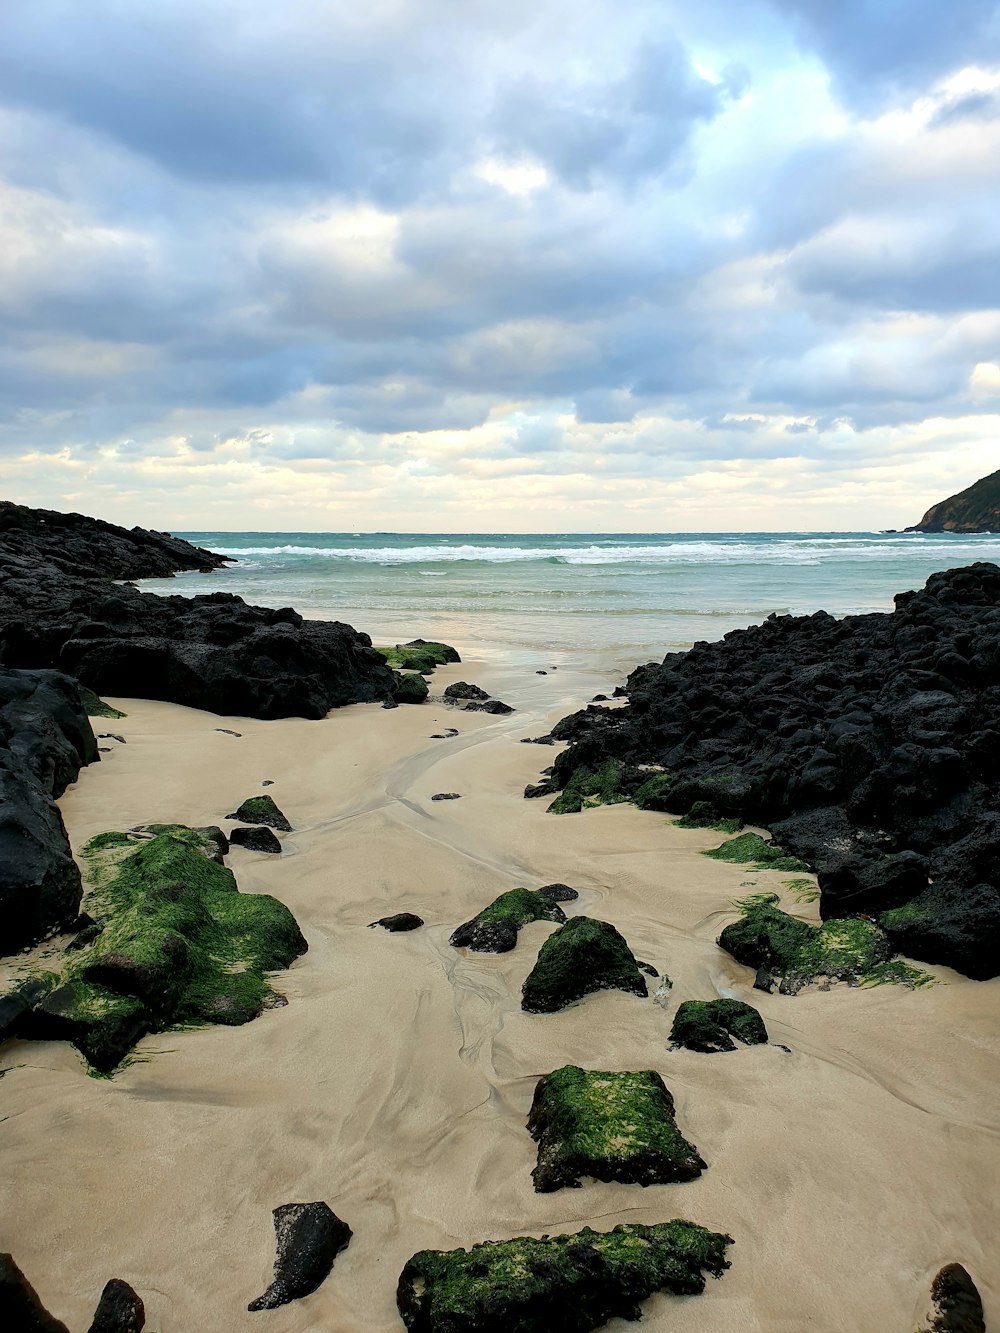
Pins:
<point x="869" y="746"/>
<point x="45" y="738"/>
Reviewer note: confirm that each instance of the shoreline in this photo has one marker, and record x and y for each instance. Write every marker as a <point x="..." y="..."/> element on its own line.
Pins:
<point x="396" y="1081"/>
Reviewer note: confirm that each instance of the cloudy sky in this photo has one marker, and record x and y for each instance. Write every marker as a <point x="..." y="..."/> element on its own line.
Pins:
<point x="499" y="265"/>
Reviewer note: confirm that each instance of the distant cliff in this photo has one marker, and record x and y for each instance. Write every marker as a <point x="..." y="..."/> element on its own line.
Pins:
<point x="976" y="509"/>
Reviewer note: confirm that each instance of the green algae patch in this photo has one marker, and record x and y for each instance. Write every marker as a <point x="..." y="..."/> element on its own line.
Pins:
<point x="896" y="972"/>
<point x="752" y="850"/>
<point x="495" y="928"/>
<point x="178" y="945"/>
<point x="766" y="938"/>
<point x="654" y="793"/>
<point x="704" y="815"/>
<point x="710" y="1025"/>
<point x="94" y="706"/>
<point x="803" y="890"/>
<point x="583" y="956"/>
<point x="410" y="688"/>
<point x="609" y="1126"/>
<point x="572" y="1283"/>
<point x="589" y="787"/>
<point x="419" y="656"/>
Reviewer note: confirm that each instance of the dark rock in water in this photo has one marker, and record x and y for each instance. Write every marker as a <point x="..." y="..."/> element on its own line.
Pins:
<point x="711" y="1025"/>
<point x="461" y="689"/>
<point x="495" y="928"/>
<point x="20" y="1309"/>
<point x="570" y="1283"/>
<point x="583" y="956"/>
<point x="558" y="893"/>
<point x="262" y="810"/>
<point x="45" y="739"/>
<point x="541" y="673"/>
<point x="976" y="509"/>
<point x="868" y="746"/>
<point x="400" y="922"/>
<point x="599" y="699"/>
<point x="213" y="652"/>
<point x="447" y="796"/>
<point x="490" y="706"/>
<point x="180" y="944"/>
<point x="609" y="1126"/>
<point x="120" y="1310"/>
<point x="309" y="1237"/>
<point x="957" y="1306"/>
<point x="259" y="838"/>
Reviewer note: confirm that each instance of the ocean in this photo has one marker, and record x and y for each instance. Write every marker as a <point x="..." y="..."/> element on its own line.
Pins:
<point x="608" y="598"/>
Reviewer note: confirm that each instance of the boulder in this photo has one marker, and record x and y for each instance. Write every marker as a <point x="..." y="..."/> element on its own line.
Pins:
<point x="401" y="921"/>
<point x="259" y="838"/>
<point x="261" y="810"/>
<point x="488" y="706"/>
<point x="711" y="1025"/>
<point x="495" y="928"/>
<point x="461" y="689"/>
<point x="309" y="1236"/>
<point x="583" y="956"/>
<point x="120" y="1310"/>
<point x="956" y="1303"/>
<point x="20" y="1309"/>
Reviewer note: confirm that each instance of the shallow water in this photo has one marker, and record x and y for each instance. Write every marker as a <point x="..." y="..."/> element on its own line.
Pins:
<point x="610" y="599"/>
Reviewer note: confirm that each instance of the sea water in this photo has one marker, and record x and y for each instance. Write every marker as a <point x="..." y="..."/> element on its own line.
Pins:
<point x="575" y="598"/>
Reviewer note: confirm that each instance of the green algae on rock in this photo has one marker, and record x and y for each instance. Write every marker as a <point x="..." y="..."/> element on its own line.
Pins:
<point x="179" y="945"/>
<point x="495" y="928"/>
<point x="583" y="956"/>
<point x="572" y="1283"/>
<point x="850" y="949"/>
<point x="610" y="1126"/>
<point x="711" y="1025"/>
<point x="95" y="706"/>
<point x="410" y="688"/>
<point x="261" y="810"/>
<point x="753" y="850"/>
<point x="703" y="814"/>
<point x="588" y="787"/>
<point x="419" y="655"/>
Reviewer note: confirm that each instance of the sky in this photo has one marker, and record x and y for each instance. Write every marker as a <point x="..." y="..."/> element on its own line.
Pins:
<point x="492" y="265"/>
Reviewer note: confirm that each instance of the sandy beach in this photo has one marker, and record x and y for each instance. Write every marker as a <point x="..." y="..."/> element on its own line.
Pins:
<point x="396" y="1081"/>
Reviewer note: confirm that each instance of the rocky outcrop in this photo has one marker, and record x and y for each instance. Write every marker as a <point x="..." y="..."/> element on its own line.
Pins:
<point x="572" y="1282"/>
<point x="309" y="1237"/>
<point x="583" y="956"/>
<point x="609" y="1126"/>
<point x="976" y="509"/>
<point x="45" y="739"/>
<point x="90" y="548"/>
<point x="869" y="746"/>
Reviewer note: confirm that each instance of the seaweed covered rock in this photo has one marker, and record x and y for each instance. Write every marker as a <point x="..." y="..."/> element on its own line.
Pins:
<point x="610" y="1126"/>
<point x="309" y="1236"/>
<point x="179" y="944"/>
<point x="21" y="1311"/>
<point x="852" y="950"/>
<point x="956" y="1304"/>
<point x="495" y="928"/>
<point x="45" y="739"/>
<point x="262" y="810"/>
<point x="488" y="706"/>
<point x="752" y="850"/>
<point x="258" y="838"/>
<point x="419" y="655"/>
<point x="711" y="1025"/>
<point x="410" y="688"/>
<point x="400" y="922"/>
<point x="571" y="1282"/>
<point x="583" y="956"/>
<point x="868" y="746"/>
<point x="120" y="1310"/>
<point x="461" y="689"/>
<point x="558" y="893"/>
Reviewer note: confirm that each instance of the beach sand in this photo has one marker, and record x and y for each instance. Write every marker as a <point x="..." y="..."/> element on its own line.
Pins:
<point x="396" y="1081"/>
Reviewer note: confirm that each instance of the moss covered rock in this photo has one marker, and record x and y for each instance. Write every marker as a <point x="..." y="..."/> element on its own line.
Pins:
<point x="589" y="787"/>
<point x="94" y="706"/>
<point x="179" y="944"/>
<point x="853" y="949"/>
<point x="753" y="850"/>
<point x="495" y="928"/>
<point x="611" y="1126"/>
<point x="583" y="956"/>
<point x="410" y="688"/>
<point x="419" y="655"/>
<point x="711" y="1025"/>
<point x="572" y="1283"/>
<point x="261" y="810"/>
<point x="461" y="689"/>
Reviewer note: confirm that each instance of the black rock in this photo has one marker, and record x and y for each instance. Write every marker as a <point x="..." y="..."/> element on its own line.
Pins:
<point x="490" y="706"/>
<point x="256" y="839"/>
<point x="558" y="893"/>
<point x="599" y="698"/>
<point x="103" y="1038"/>
<point x="20" y="1309"/>
<point x="447" y="796"/>
<point x="401" y="921"/>
<point x="541" y="673"/>
<point x="309" y="1238"/>
<point x="583" y="956"/>
<point x="17" y="1004"/>
<point x="461" y="689"/>
<point x="957" y="1306"/>
<point x="444" y="735"/>
<point x="228" y="731"/>
<point x="710" y="1025"/>
<point x="868" y="746"/>
<point x="120" y="1310"/>
<point x="45" y="739"/>
<point x="764" y="981"/>
<point x="536" y="789"/>
<point x="389" y="703"/>
<point x="648" y="968"/>
<point x="262" y="810"/>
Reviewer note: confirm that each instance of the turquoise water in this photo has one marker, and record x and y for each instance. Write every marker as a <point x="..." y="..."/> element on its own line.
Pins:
<point x="620" y="598"/>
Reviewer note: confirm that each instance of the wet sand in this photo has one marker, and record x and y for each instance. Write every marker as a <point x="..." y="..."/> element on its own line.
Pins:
<point x="396" y="1082"/>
